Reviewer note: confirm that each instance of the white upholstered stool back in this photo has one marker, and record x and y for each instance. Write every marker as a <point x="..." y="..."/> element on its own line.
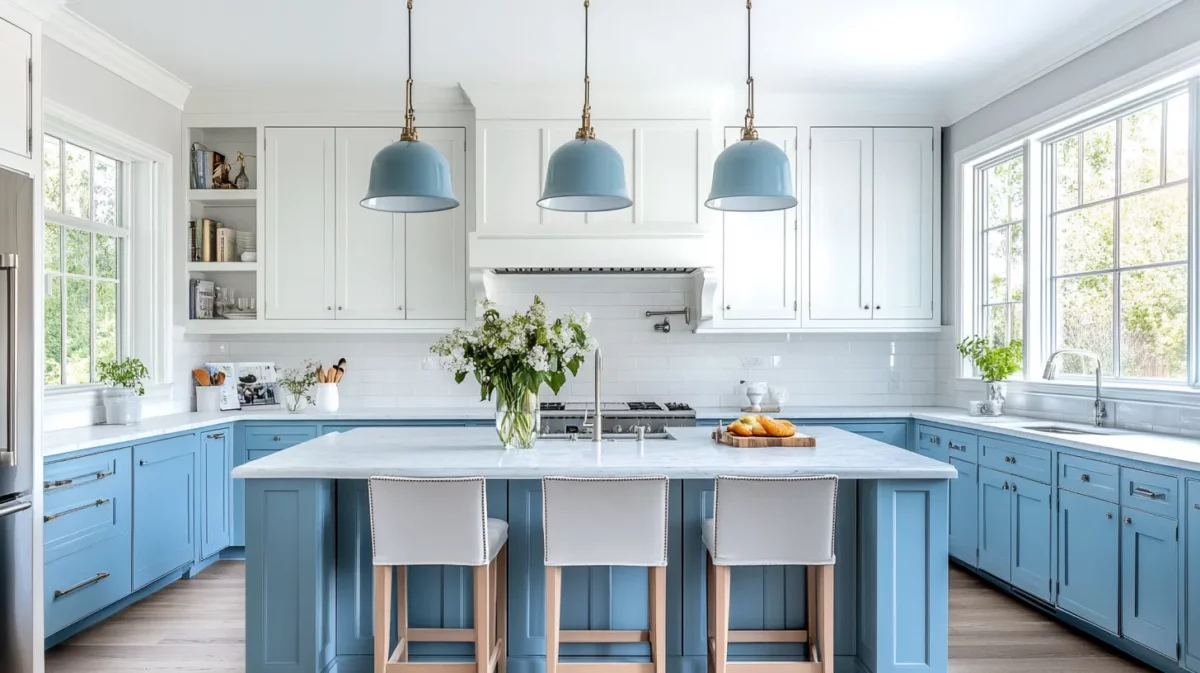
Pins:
<point x="773" y="521"/>
<point x="605" y="522"/>
<point x="432" y="522"/>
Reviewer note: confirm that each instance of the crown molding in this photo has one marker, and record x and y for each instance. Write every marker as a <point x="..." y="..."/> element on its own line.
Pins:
<point x="1040" y="62"/>
<point x="79" y="35"/>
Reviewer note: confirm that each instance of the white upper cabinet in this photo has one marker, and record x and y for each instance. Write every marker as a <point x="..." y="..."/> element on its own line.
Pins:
<point x="758" y="280"/>
<point x="871" y="230"/>
<point x="435" y="244"/>
<point x="16" y="90"/>
<point x="667" y="165"/>
<point x="370" y="243"/>
<point x="299" y="261"/>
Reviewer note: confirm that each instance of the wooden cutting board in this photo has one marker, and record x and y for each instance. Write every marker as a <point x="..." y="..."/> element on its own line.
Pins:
<point x="795" y="441"/>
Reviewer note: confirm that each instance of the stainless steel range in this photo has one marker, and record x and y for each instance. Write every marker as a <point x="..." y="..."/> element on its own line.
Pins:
<point x="618" y="420"/>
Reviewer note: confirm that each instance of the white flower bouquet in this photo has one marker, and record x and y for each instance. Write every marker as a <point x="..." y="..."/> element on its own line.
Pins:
<point x="513" y="357"/>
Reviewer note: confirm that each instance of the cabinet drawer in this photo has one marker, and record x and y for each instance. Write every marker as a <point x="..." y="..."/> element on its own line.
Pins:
<point x="956" y="444"/>
<point x="1089" y="477"/>
<point x="276" y="437"/>
<point x="1024" y="461"/>
<point x="87" y="501"/>
<point x="1150" y="492"/>
<point x="86" y="581"/>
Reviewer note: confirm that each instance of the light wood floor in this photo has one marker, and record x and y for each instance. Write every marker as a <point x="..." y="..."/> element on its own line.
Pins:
<point x="197" y="625"/>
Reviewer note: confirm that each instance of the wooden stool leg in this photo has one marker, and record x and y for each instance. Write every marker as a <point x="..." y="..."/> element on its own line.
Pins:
<point x="492" y="577"/>
<point x="721" y="615"/>
<point x="709" y="597"/>
<point x="383" y="616"/>
<point x="402" y="612"/>
<point x="810" y="595"/>
<point x="826" y="619"/>
<point x="658" y="618"/>
<point x="482" y="623"/>
<point x="502" y="608"/>
<point x="553" y="616"/>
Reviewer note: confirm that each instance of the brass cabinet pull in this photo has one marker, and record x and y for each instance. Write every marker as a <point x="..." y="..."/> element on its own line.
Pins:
<point x="219" y="435"/>
<point x="96" y="476"/>
<point x="934" y="439"/>
<point x="1147" y="493"/>
<point x="1128" y="520"/>
<point x="1086" y="478"/>
<point x="1108" y="515"/>
<point x="1006" y="485"/>
<point x="275" y="438"/>
<point x="59" y="593"/>
<point x="98" y="503"/>
<point x="1014" y="487"/>
<point x="956" y="447"/>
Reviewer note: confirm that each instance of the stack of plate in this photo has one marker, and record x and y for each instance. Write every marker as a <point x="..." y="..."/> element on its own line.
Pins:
<point x="246" y="244"/>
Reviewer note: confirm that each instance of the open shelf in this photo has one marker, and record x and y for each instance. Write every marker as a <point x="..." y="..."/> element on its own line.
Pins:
<point x="246" y="267"/>
<point x="223" y="196"/>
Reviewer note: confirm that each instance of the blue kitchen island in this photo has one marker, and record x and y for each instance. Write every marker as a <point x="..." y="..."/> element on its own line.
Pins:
<point x="308" y="550"/>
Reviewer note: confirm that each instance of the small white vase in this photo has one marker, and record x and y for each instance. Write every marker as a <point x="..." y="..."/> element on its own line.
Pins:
<point x="295" y="403"/>
<point x="122" y="406"/>
<point x="997" y="391"/>
<point x="327" y="398"/>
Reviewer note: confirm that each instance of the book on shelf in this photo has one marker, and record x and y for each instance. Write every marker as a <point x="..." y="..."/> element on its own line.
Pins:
<point x="192" y="256"/>
<point x="204" y="163"/>
<point x="201" y="300"/>
<point x="226" y="249"/>
<point x="208" y="240"/>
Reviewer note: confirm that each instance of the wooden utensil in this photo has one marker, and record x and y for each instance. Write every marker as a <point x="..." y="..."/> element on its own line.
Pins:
<point x="320" y="374"/>
<point x="220" y="380"/>
<point x="795" y="441"/>
<point x="201" y="376"/>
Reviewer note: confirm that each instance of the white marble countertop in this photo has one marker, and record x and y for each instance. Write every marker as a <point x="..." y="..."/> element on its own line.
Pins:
<point x="690" y="454"/>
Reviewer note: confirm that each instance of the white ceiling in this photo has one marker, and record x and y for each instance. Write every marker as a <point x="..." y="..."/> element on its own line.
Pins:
<point x="939" y="48"/>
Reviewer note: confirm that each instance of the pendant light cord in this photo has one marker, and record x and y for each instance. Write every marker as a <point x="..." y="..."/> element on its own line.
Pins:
<point x="586" y="132"/>
<point x="409" y="134"/>
<point x="748" y="132"/>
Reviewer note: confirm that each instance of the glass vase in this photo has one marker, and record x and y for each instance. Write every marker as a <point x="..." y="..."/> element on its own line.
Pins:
<point x="517" y="417"/>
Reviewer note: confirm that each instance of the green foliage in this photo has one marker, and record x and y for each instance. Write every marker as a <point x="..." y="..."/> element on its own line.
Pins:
<point x="995" y="363"/>
<point x="127" y="373"/>
<point x="299" y="381"/>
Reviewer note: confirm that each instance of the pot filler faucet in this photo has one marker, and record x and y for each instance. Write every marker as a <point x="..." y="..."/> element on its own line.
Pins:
<point x="597" y="433"/>
<point x="1099" y="413"/>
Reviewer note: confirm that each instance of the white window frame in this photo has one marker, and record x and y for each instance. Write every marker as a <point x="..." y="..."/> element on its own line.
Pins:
<point x="979" y="229"/>
<point x="144" y="303"/>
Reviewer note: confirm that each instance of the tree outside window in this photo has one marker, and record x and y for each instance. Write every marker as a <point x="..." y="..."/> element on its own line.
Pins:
<point x="1001" y="223"/>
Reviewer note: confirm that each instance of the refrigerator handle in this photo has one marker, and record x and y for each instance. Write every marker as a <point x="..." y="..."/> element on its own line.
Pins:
<point x="14" y="507"/>
<point x="8" y="458"/>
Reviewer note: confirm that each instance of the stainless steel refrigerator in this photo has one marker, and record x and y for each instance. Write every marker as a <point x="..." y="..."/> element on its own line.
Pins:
<point x="18" y="651"/>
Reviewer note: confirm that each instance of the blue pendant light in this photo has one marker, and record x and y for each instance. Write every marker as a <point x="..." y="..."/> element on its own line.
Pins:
<point x="585" y="174"/>
<point x="409" y="176"/>
<point x="751" y="175"/>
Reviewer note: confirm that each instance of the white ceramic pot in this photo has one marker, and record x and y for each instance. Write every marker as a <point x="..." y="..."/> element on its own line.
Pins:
<point x="208" y="399"/>
<point x="296" y="403"/>
<point x="327" y="398"/>
<point x="997" y="391"/>
<point x="122" y="406"/>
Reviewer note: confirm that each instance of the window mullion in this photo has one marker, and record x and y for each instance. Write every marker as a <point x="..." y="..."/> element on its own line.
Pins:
<point x="1118" y="147"/>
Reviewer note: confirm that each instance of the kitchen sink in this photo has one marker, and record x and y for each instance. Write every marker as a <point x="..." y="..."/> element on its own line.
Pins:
<point x="1060" y="430"/>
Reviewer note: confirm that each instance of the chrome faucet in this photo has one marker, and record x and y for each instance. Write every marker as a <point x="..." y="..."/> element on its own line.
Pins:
<point x="1099" y="412"/>
<point x="597" y="432"/>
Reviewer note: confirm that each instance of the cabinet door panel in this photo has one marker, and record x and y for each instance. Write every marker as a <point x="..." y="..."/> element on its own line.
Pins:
<point x="370" y="243"/>
<point x="164" y="496"/>
<point x="840" y="224"/>
<point x="216" y="462"/>
<point x="16" y="48"/>
<point x="1031" y="519"/>
<point x="1149" y="584"/>
<point x="759" y="250"/>
<point x="300" y="217"/>
<point x="434" y="261"/>
<point x="903" y="224"/>
<point x="1191" y="644"/>
<point x="1089" y="536"/>
<point x="995" y="524"/>
<point x="964" y="512"/>
<point x="510" y="171"/>
<point x="667" y="188"/>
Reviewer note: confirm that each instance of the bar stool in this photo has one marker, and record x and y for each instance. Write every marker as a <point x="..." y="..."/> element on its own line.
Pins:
<point x="438" y="522"/>
<point x="606" y="522"/>
<point x="772" y="521"/>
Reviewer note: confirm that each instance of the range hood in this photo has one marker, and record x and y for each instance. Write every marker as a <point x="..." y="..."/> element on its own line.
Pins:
<point x="629" y="249"/>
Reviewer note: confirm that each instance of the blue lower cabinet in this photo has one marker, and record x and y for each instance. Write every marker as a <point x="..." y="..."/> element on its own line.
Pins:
<point x="1191" y="636"/>
<point x="164" y="515"/>
<point x="964" y="512"/>
<point x="1031" y="542"/>
<point x="1089" y="540"/>
<point x="87" y="501"/>
<point x="216" y="491"/>
<point x="895" y="434"/>
<point x="253" y="442"/>
<point x="1149" y="580"/>
<point x="995" y="524"/>
<point x="77" y="585"/>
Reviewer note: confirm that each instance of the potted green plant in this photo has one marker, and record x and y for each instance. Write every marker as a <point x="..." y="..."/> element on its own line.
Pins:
<point x="298" y="382"/>
<point x="995" y="364"/>
<point x="123" y="396"/>
<point x="512" y="357"/>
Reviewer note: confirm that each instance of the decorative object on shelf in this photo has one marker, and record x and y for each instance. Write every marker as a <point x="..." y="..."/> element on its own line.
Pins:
<point x="220" y="176"/>
<point x="755" y="392"/>
<point x="585" y="174"/>
<point x="297" y="383"/>
<point x="409" y="176"/>
<point x="995" y="364"/>
<point x="227" y="373"/>
<point x="513" y="357"/>
<point x="246" y="242"/>
<point x="751" y="175"/>
<point x="778" y="396"/>
<point x="242" y="181"/>
<point x="123" y="396"/>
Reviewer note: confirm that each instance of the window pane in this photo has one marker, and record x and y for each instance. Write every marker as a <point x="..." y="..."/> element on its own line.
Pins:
<point x="78" y="251"/>
<point x="106" y="321"/>
<point x="1066" y="171"/>
<point x="105" y="190"/>
<point x="1005" y="192"/>
<point x="1084" y="315"/>
<point x="1018" y="321"/>
<point x="50" y="241"/>
<point x="106" y="256"/>
<point x="53" y="316"/>
<point x="78" y="182"/>
<point x="1177" y="138"/>
<point x="997" y="317"/>
<point x="1016" y="262"/>
<point x="1154" y="227"/>
<point x="1083" y="240"/>
<point x="1141" y="149"/>
<point x="997" y="264"/>
<point x="1099" y="166"/>
<point x="51" y="174"/>
<point x="79" y="331"/>
<point x="1154" y="323"/>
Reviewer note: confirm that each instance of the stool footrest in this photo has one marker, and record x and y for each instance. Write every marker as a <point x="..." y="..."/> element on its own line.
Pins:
<point x="603" y="636"/>
<point x="605" y="667"/>
<point x="773" y="667"/>
<point x="427" y="666"/>
<point x="780" y="636"/>
<point x="441" y="635"/>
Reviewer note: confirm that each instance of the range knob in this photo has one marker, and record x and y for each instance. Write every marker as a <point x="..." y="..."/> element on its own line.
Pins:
<point x="617" y="429"/>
